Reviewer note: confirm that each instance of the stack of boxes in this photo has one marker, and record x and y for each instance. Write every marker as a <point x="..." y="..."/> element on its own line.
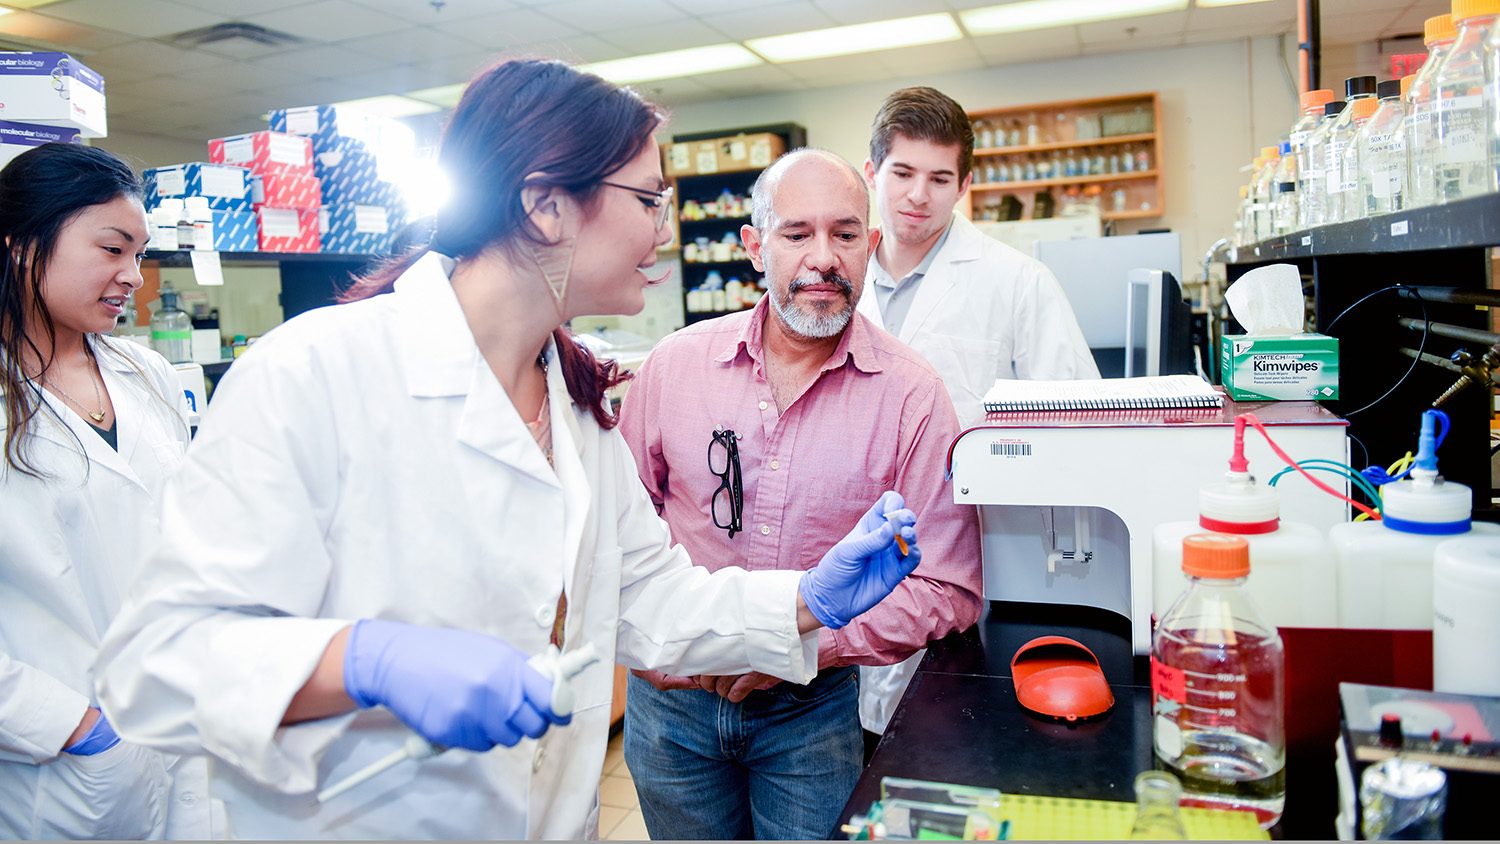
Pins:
<point x="282" y="186"/>
<point x="352" y="157"/>
<point x="213" y="198"/>
<point x="47" y="98"/>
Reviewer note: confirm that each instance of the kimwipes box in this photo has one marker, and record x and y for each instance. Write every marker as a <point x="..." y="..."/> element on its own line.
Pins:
<point x="53" y="89"/>
<point x="264" y="152"/>
<point x="1288" y="367"/>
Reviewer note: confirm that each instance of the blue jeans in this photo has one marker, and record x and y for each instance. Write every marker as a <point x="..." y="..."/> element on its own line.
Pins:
<point x="778" y="765"/>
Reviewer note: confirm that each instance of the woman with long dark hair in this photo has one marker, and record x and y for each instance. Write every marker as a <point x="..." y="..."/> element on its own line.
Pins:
<point x="394" y="503"/>
<point x="92" y="428"/>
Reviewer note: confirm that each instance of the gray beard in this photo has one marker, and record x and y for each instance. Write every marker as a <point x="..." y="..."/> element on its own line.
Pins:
<point x="808" y="325"/>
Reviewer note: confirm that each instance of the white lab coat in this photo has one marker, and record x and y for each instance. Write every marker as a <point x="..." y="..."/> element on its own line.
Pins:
<point x="69" y="545"/>
<point x="984" y="312"/>
<point x="363" y="461"/>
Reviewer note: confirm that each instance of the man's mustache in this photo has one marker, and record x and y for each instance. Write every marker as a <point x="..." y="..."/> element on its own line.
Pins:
<point x="830" y="277"/>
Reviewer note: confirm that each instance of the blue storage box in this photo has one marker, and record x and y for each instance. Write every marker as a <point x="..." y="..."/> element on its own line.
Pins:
<point x="226" y="187"/>
<point x="359" y="229"/>
<point x="353" y="177"/>
<point x="234" y="231"/>
<point x="343" y="129"/>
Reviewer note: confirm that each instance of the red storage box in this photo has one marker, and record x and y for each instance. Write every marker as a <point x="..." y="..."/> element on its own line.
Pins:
<point x="288" y="229"/>
<point x="287" y="190"/>
<point x="264" y="152"/>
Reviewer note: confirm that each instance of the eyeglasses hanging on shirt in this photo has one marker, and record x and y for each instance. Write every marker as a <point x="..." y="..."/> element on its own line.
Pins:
<point x="728" y="502"/>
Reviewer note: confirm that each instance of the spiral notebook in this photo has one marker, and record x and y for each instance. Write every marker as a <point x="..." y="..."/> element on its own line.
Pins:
<point x="1157" y="391"/>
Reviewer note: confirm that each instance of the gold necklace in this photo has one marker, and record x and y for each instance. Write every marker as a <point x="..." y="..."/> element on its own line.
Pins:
<point x="96" y="415"/>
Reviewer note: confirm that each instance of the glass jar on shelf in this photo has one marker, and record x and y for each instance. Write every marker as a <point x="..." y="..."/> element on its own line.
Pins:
<point x="1143" y="158"/>
<point x="1033" y="130"/>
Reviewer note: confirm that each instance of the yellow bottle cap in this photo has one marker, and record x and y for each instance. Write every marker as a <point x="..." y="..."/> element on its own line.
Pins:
<point x="1269" y="154"/>
<point x="1406" y="84"/>
<point x="1437" y="29"/>
<point x="1465" y="9"/>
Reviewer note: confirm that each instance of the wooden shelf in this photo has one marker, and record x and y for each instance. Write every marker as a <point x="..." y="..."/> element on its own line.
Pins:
<point x="1072" y="180"/>
<point x="1138" y="214"/>
<point x="1096" y="142"/>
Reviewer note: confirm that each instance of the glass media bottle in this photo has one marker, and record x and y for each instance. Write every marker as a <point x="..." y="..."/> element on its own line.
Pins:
<point x="1217" y="682"/>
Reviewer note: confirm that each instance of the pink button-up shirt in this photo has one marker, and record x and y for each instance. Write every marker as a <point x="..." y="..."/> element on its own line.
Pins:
<point x="877" y="417"/>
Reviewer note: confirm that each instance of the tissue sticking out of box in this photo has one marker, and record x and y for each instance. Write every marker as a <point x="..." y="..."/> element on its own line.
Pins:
<point x="1268" y="300"/>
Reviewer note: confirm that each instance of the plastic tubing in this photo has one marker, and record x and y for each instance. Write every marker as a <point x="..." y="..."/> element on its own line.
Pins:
<point x="1239" y="454"/>
<point x="1335" y="468"/>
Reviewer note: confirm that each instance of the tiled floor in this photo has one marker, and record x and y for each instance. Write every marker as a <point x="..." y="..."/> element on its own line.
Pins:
<point x="619" y="811"/>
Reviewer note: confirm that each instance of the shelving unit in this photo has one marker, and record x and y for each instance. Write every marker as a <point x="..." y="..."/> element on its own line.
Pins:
<point x="1443" y="246"/>
<point x="308" y="279"/>
<point x="1059" y="129"/>
<point x="732" y="173"/>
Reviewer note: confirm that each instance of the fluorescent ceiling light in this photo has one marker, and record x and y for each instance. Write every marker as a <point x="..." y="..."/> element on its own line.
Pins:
<point x="689" y="62"/>
<point x="5" y="11"/>
<point x="1046" y="14"/>
<point x="390" y="105"/>
<point x="27" y="4"/>
<point x="446" y="96"/>
<point x="858" y="38"/>
<point x="1209" y="4"/>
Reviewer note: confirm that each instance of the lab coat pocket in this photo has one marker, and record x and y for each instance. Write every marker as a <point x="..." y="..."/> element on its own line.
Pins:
<point x="967" y="365"/>
<point x="120" y="793"/>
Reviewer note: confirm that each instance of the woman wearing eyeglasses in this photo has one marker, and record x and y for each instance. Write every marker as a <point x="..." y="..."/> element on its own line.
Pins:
<point x="396" y="502"/>
<point x="91" y="430"/>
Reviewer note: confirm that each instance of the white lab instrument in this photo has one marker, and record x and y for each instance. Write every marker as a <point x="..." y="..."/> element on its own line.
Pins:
<point x="560" y="668"/>
<point x="1068" y="499"/>
<point x="1465" y="626"/>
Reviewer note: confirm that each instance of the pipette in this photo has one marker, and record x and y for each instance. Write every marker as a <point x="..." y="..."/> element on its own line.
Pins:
<point x="560" y="667"/>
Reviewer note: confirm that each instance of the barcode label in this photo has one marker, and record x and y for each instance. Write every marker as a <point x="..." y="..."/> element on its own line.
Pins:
<point x="1010" y="449"/>
<point x="1400" y="227"/>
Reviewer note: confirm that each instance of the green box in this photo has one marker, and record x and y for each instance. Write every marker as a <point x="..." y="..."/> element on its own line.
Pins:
<point x="1287" y="367"/>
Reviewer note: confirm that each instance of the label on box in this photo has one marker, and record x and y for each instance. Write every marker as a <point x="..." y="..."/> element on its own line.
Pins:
<point x="222" y="181"/>
<point x="203" y="235"/>
<point x="239" y="149"/>
<point x="208" y="270"/>
<point x="171" y="182"/>
<point x="370" y="219"/>
<point x="302" y="121"/>
<point x="737" y="150"/>
<point x="708" y="160"/>
<point x="682" y="157"/>
<point x="760" y="153"/>
<point x="279" y="222"/>
<point x="288" y="149"/>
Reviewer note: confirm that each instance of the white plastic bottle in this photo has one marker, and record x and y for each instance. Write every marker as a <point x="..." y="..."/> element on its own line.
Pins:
<point x="1465" y="618"/>
<point x="1385" y="567"/>
<point x="1463" y="145"/>
<point x="1315" y="197"/>
<point x="1341" y="179"/>
<point x="1383" y="164"/>
<point x="1421" y="108"/>
<point x="1284" y="189"/>
<point x="1294" y="579"/>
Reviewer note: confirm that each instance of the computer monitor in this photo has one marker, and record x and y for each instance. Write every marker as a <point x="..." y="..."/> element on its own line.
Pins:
<point x="1158" y="325"/>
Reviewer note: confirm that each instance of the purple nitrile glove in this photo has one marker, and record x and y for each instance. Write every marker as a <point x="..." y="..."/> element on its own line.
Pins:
<point x="99" y="738"/>
<point x="858" y="572"/>
<point x="454" y="687"/>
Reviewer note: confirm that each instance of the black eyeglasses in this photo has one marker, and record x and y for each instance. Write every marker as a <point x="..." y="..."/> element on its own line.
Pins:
<point x="660" y="200"/>
<point x="724" y="461"/>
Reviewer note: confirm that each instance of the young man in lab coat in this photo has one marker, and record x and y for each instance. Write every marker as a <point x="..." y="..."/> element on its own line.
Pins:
<point x="822" y="411"/>
<point x="975" y="308"/>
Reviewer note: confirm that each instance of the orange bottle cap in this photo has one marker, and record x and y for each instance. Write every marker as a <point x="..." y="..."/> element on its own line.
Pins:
<point x="1316" y="99"/>
<point x="1269" y="153"/>
<point x="1406" y="84"/>
<point x="1439" y="28"/>
<point x="1465" y="9"/>
<point x="1365" y="107"/>
<point x="1216" y="555"/>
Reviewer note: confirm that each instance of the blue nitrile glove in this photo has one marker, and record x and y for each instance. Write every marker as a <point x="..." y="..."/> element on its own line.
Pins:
<point x="858" y="572"/>
<point x="454" y="687"/>
<point x="99" y="738"/>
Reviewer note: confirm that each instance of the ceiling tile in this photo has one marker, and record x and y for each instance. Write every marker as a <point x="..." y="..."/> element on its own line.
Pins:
<point x="396" y="79"/>
<point x="813" y="70"/>
<point x="863" y="11"/>
<point x="670" y="92"/>
<point x="330" y="20"/>
<point x="1007" y="47"/>
<point x="325" y="62"/>
<point x="458" y="67"/>
<point x="1255" y="14"/>
<point x="577" y="49"/>
<point x="709" y="7"/>
<point x="1125" y="45"/>
<point x="144" y="18"/>
<point x="238" y="9"/>
<point x="155" y="57"/>
<point x="767" y="77"/>
<point x="425" y="12"/>
<point x="1357" y="28"/>
<point x="933" y="58"/>
<point x="412" y="45"/>
<point x="60" y="33"/>
<point x="660" y="37"/>
<point x="1355" y="7"/>
<point x="779" y="19"/>
<point x="1144" y="26"/>
<point x="603" y="15"/>
<point x="508" y="29"/>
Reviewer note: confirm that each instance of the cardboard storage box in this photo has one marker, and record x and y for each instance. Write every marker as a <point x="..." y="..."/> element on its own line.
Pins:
<point x="228" y="231"/>
<point x="723" y="155"/>
<point x="53" y="89"/>
<point x="264" y="152"/>
<point x="1289" y="367"/>
<point x="340" y="129"/>
<point x="286" y="190"/>
<point x="16" y="138"/>
<point x="359" y="229"/>
<point x="288" y="229"/>
<point x="227" y="188"/>
<point x="353" y="178"/>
